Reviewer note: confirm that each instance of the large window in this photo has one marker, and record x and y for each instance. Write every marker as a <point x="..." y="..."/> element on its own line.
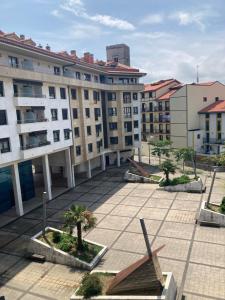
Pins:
<point x="3" y="118"/>
<point x="128" y="140"/>
<point x="13" y="62"/>
<point x="113" y="126"/>
<point x="86" y="95"/>
<point x="57" y="70"/>
<point x="1" y="89"/>
<point x="135" y="124"/>
<point x="62" y="93"/>
<point x="66" y="134"/>
<point x="56" y="135"/>
<point x="136" y="137"/>
<point x="126" y="97"/>
<point x="75" y="113"/>
<point x="114" y="140"/>
<point x="77" y="132"/>
<point x="128" y="126"/>
<point x="111" y="96"/>
<point x="90" y="148"/>
<point x="65" y="114"/>
<point x="88" y="130"/>
<point x="87" y="77"/>
<point x="87" y="112"/>
<point x="98" y="129"/>
<point x="135" y="110"/>
<point x="112" y="111"/>
<point x="127" y="112"/>
<point x="54" y="113"/>
<point x="73" y="94"/>
<point x="97" y="113"/>
<point x="78" y="75"/>
<point x="96" y="96"/>
<point x="51" y="90"/>
<point x="135" y="96"/>
<point x="4" y="145"/>
<point x="78" y="150"/>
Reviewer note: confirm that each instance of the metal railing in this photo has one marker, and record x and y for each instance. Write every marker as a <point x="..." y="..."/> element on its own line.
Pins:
<point x="31" y="121"/>
<point x="213" y="141"/>
<point x="40" y="144"/>
<point x="27" y="95"/>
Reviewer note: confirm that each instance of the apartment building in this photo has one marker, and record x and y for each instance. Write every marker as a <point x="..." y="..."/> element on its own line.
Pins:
<point x="156" y="109"/>
<point x="60" y="117"/>
<point x="185" y="103"/>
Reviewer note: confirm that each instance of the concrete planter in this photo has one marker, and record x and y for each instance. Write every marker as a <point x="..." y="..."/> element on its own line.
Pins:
<point x="193" y="186"/>
<point x="169" y="292"/>
<point x="54" y="255"/>
<point x="131" y="177"/>
<point x="207" y="215"/>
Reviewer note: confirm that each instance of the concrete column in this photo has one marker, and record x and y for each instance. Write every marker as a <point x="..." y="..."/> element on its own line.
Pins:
<point x="17" y="190"/>
<point x="139" y="154"/>
<point x="47" y="177"/>
<point x="89" y="168"/>
<point x="69" y="172"/>
<point x="118" y="158"/>
<point x="103" y="164"/>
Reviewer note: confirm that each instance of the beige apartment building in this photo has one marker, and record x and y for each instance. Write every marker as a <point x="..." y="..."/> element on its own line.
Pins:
<point x="62" y="118"/>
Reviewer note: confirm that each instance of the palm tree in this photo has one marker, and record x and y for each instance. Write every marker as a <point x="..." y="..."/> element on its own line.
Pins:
<point x="83" y="219"/>
<point x="168" y="168"/>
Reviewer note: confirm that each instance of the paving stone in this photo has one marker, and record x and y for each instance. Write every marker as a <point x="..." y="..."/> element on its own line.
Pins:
<point x="128" y="185"/>
<point x="58" y="204"/>
<point x="147" y="186"/>
<point x="114" y="222"/>
<point x="83" y="188"/>
<point x="6" y="237"/>
<point x="101" y="190"/>
<point x="177" y="230"/>
<point x="174" y="266"/>
<point x="125" y="210"/>
<point x="195" y="297"/>
<point x="18" y="246"/>
<point x="163" y="194"/>
<point x="131" y="242"/>
<point x="135" y="201"/>
<point x="188" y="196"/>
<point x="208" y="254"/>
<point x="102" y="208"/>
<point x="211" y="235"/>
<point x="181" y="216"/>
<point x="120" y="192"/>
<point x="30" y="296"/>
<point x="21" y="225"/>
<point x="140" y="193"/>
<point x="152" y="226"/>
<point x="158" y="203"/>
<point x="174" y="248"/>
<point x="7" y="261"/>
<point x="5" y="220"/>
<point x="205" y="281"/>
<point x="111" y="199"/>
<point x="152" y="213"/>
<point x="185" y="205"/>
<point x="90" y="197"/>
<point x="9" y="293"/>
<point x="103" y="236"/>
<point x="70" y="196"/>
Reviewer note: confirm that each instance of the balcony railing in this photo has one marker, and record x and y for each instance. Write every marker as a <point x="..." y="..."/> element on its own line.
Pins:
<point x="213" y="141"/>
<point x="31" y="121"/>
<point x="160" y="108"/>
<point x="31" y="146"/>
<point x="162" y="131"/>
<point x="27" y="94"/>
<point x="161" y="120"/>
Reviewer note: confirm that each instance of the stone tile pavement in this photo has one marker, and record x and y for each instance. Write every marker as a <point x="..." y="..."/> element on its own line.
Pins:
<point x="195" y="255"/>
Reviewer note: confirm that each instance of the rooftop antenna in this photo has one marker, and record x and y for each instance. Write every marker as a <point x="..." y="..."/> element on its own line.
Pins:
<point x="197" y="74"/>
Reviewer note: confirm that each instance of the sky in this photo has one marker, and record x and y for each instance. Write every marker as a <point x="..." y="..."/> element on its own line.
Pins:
<point x="167" y="38"/>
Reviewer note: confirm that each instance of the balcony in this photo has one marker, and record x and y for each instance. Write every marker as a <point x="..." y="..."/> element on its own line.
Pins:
<point x="29" y="99"/>
<point x="162" y="120"/>
<point x="162" y="131"/>
<point x="34" y="144"/>
<point x="161" y="108"/>
<point x="32" y="125"/>
<point x="213" y="141"/>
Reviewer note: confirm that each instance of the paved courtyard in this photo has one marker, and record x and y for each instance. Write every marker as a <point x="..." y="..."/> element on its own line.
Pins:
<point x="195" y="255"/>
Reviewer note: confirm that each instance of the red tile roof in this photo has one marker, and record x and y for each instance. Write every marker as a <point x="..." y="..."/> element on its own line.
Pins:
<point x="204" y="83"/>
<point x="216" y="107"/>
<point x="158" y="85"/>
<point x="172" y="90"/>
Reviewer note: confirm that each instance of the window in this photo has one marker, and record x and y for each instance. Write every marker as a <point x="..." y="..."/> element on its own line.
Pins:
<point x="161" y="137"/>
<point x="135" y="96"/>
<point x="88" y="130"/>
<point x="114" y="140"/>
<point x="51" y="91"/>
<point x="218" y="115"/>
<point x="111" y="96"/>
<point x="97" y="113"/>
<point x="3" y="118"/>
<point x="87" y="77"/>
<point x="87" y="112"/>
<point x="57" y="70"/>
<point x="198" y="136"/>
<point x="13" y="62"/>
<point x="219" y="136"/>
<point x="98" y="129"/>
<point x="77" y="132"/>
<point x="1" y="89"/>
<point x="207" y="125"/>
<point x="112" y="111"/>
<point x="218" y="125"/>
<point x="126" y="97"/>
<point x="90" y="148"/>
<point x="4" y="145"/>
<point x="65" y="114"/>
<point x="73" y="94"/>
<point x="96" y="96"/>
<point x="75" y="113"/>
<point x="128" y="126"/>
<point x="135" y="124"/>
<point x="128" y="140"/>
<point x="62" y="93"/>
<point x="86" y="94"/>
<point x="150" y="94"/>
<point x="95" y="78"/>
<point x="217" y="98"/>
<point x="56" y="135"/>
<point x="113" y="126"/>
<point x="136" y="137"/>
<point x="127" y="112"/>
<point x="78" y="150"/>
<point x="207" y="116"/>
<point x="204" y="99"/>
<point x="135" y="110"/>
<point x="66" y="134"/>
<point x="78" y="75"/>
<point x="99" y="145"/>
<point x="54" y="113"/>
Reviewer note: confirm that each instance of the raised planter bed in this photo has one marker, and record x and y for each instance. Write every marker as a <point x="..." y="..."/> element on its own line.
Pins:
<point x="210" y="216"/>
<point x="169" y="292"/>
<point x="131" y="177"/>
<point x="55" y="255"/>
<point x="195" y="186"/>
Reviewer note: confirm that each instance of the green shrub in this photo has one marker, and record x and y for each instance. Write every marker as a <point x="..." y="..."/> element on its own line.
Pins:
<point x="222" y="206"/>
<point x="66" y="242"/>
<point x="177" y="180"/>
<point x="90" y="286"/>
<point x="56" y="237"/>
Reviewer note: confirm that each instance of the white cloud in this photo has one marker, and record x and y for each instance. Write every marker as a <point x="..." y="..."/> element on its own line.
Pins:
<point x="56" y="13"/>
<point x="77" y="8"/>
<point x="153" y="19"/>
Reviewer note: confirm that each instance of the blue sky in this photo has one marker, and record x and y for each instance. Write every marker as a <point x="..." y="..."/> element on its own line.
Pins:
<point x="168" y="38"/>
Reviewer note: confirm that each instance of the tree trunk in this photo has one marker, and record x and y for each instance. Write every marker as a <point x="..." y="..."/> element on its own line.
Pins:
<point x="79" y="237"/>
<point x="167" y="177"/>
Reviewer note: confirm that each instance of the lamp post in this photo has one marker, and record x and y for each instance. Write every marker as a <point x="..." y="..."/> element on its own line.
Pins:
<point x="44" y="195"/>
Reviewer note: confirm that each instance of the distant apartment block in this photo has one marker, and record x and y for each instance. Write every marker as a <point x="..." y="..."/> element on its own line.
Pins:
<point x="62" y="118"/>
<point x="118" y="53"/>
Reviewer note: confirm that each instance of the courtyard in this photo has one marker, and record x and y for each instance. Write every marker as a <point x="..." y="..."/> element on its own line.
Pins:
<point x="195" y="255"/>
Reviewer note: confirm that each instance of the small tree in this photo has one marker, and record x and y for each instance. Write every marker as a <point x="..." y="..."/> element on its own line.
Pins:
<point x="185" y="154"/>
<point x="168" y="168"/>
<point x="80" y="217"/>
<point x="161" y="148"/>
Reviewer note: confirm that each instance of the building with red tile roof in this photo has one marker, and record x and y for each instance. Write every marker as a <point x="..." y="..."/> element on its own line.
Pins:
<point x="216" y="107"/>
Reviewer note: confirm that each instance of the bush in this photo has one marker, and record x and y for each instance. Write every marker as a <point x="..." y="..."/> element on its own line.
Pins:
<point x="66" y="242"/>
<point x="56" y="237"/>
<point x="90" y="286"/>
<point x="222" y="206"/>
<point x="177" y="180"/>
